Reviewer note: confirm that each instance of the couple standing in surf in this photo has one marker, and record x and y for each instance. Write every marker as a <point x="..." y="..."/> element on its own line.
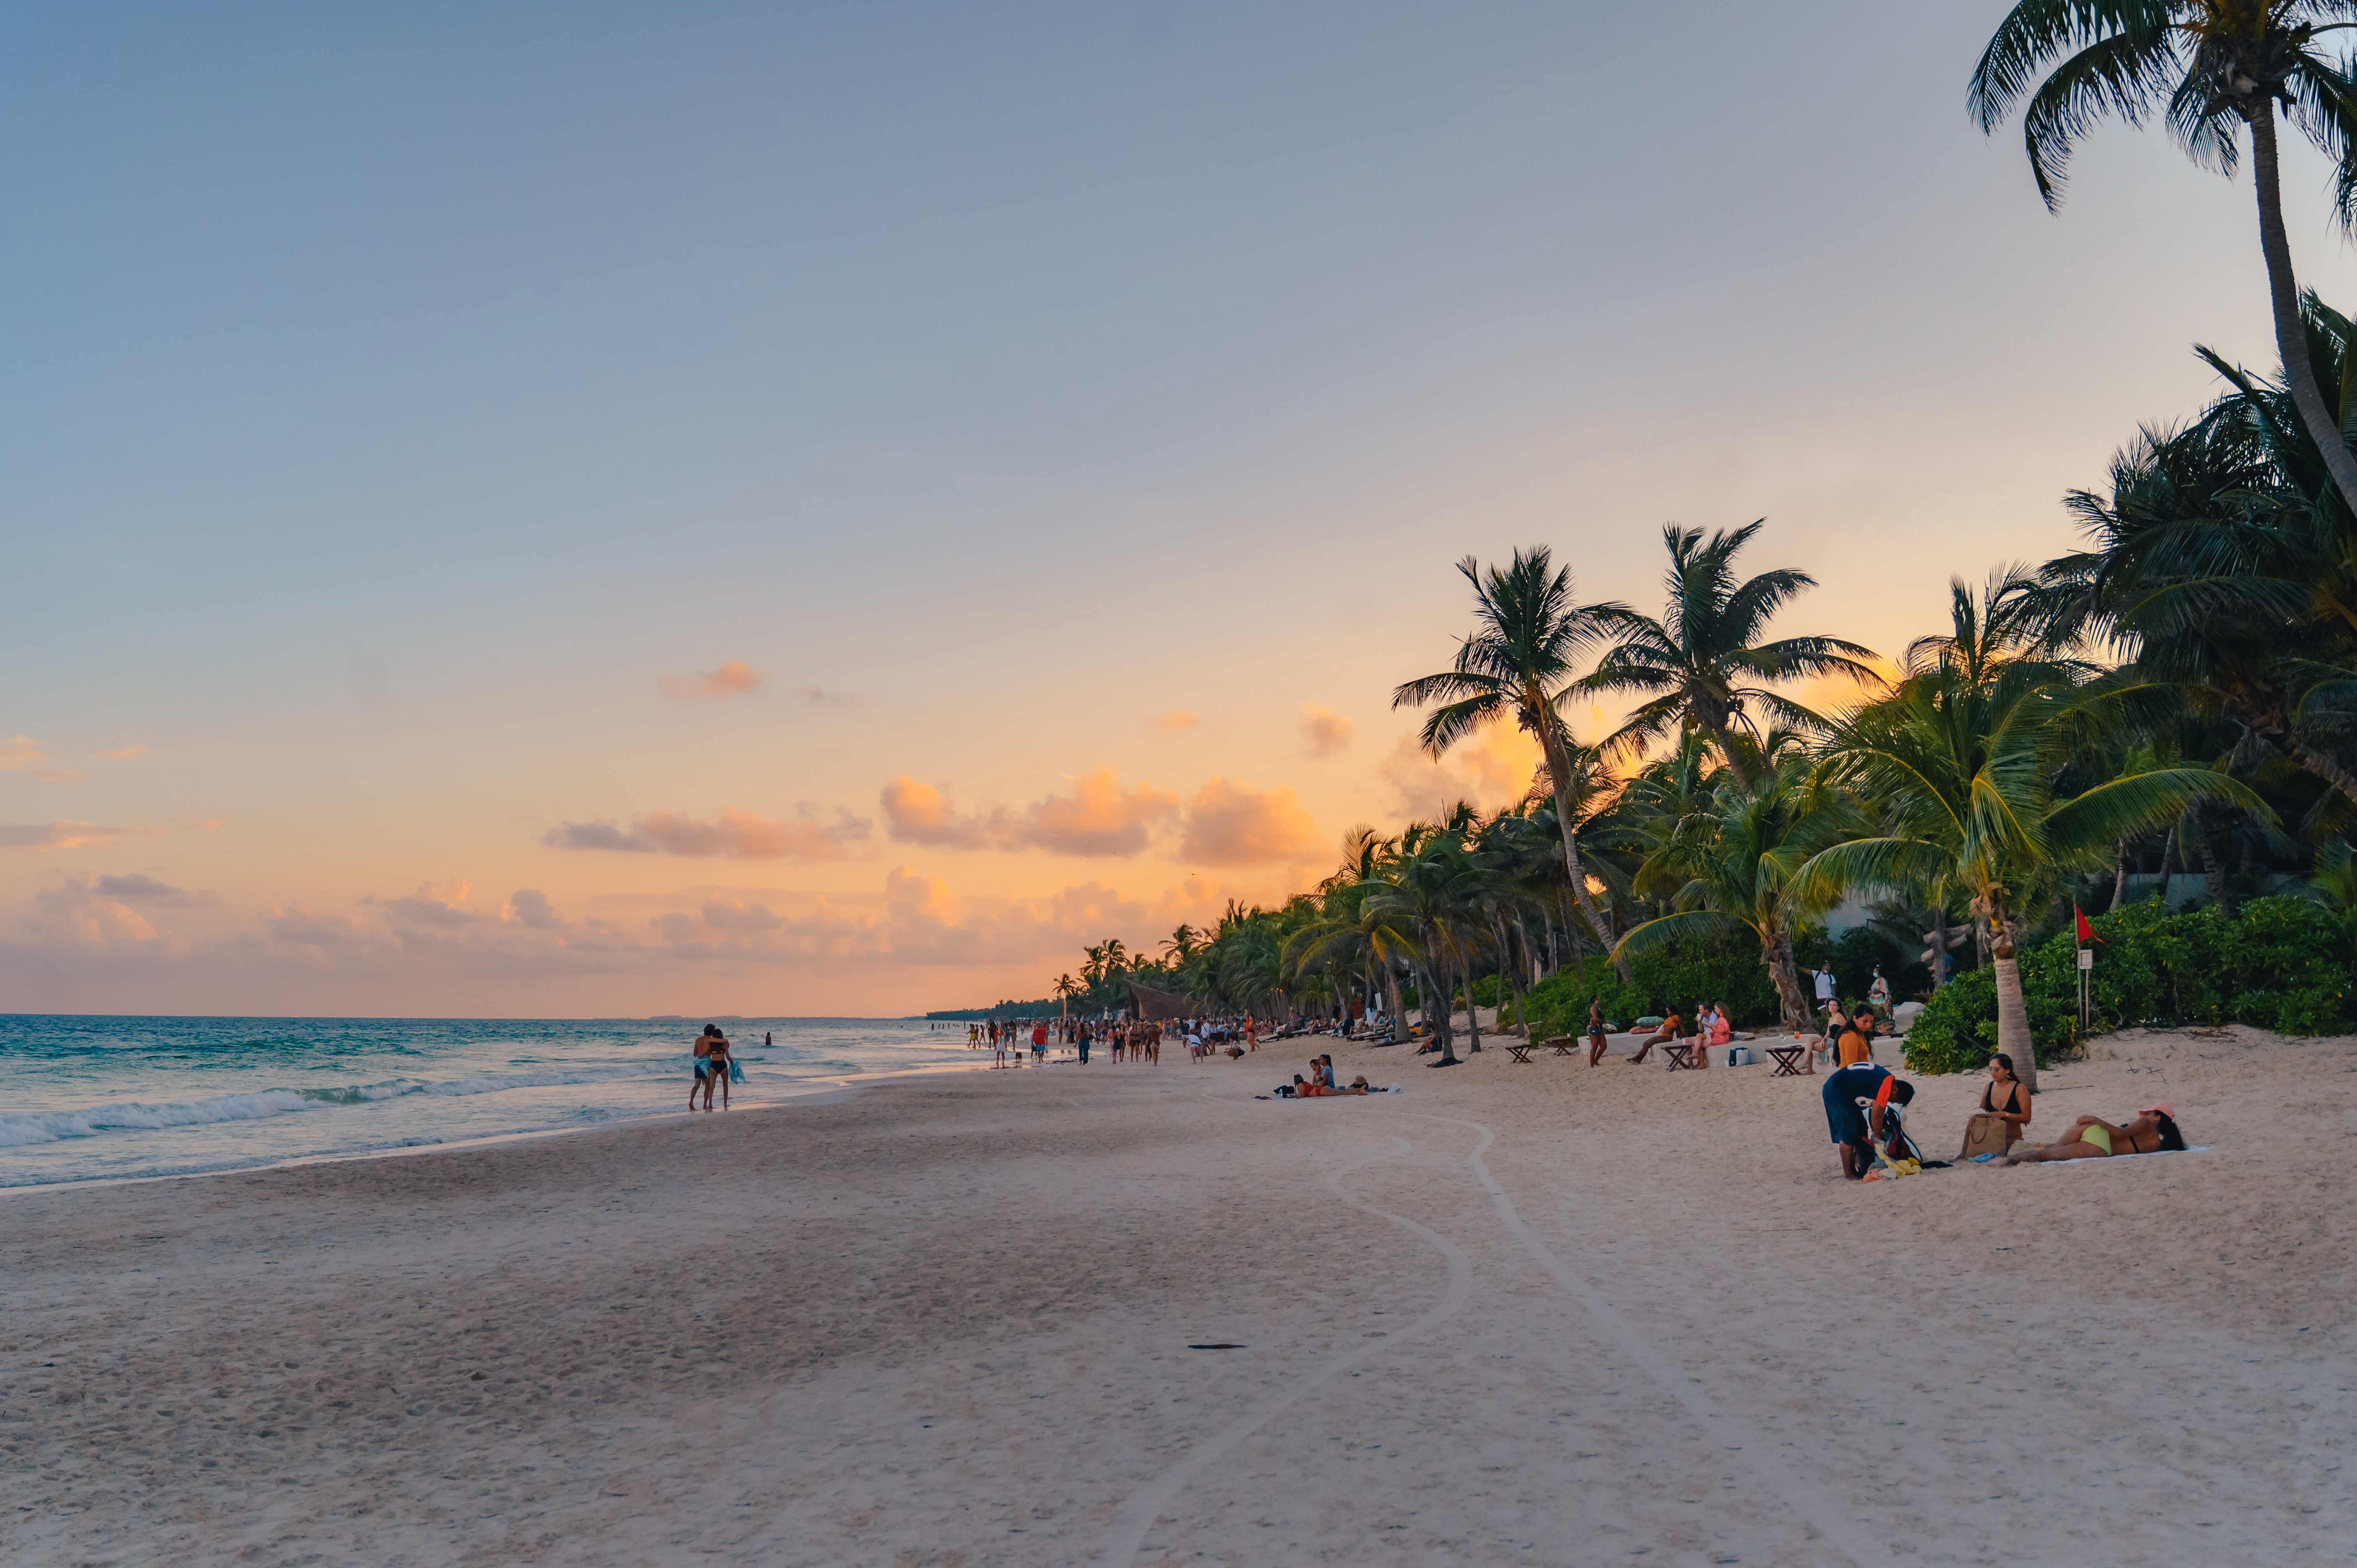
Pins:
<point x="712" y="1063"/>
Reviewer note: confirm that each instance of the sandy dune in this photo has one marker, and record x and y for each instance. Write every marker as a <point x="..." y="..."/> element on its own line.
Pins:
<point x="1522" y="1315"/>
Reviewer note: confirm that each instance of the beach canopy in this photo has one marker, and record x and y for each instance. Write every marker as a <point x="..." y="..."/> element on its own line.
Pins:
<point x="1159" y="1005"/>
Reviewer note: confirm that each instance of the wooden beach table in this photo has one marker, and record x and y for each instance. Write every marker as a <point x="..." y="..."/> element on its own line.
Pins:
<point x="1566" y="1045"/>
<point x="1788" y="1060"/>
<point x="1681" y="1056"/>
<point x="1520" y="1053"/>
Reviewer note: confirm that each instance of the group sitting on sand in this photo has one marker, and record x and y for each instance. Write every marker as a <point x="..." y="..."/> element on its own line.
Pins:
<point x="1865" y="1102"/>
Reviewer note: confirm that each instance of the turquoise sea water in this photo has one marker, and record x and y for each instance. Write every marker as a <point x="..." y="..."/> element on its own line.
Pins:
<point x="85" y="1098"/>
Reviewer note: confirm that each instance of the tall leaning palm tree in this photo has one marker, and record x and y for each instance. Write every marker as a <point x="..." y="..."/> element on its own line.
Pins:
<point x="1517" y="663"/>
<point x="2208" y="69"/>
<point x="1702" y="666"/>
<point x="1969" y="778"/>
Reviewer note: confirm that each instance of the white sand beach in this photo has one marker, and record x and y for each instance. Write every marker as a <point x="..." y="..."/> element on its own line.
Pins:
<point x="1535" y="1313"/>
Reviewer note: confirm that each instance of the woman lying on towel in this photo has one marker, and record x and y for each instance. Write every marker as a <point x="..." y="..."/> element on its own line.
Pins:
<point x="2151" y="1131"/>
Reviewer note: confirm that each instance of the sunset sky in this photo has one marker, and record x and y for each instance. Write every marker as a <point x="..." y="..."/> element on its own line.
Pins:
<point x="586" y="510"/>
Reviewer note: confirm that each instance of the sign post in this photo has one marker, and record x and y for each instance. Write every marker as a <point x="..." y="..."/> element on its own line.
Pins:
<point x="2086" y="969"/>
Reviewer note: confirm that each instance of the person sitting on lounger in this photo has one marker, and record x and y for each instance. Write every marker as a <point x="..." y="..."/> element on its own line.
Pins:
<point x="1594" y="1031"/>
<point x="2151" y="1131"/>
<point x="1668" y="1031"/>
<point x="1722" y="1027"/>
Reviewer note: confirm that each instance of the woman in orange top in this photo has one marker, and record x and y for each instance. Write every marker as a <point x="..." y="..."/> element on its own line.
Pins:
<point x="1858" y="1040"/>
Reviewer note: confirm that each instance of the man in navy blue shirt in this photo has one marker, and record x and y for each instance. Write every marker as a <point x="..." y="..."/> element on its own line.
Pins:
<point x="1856" y="1097"/>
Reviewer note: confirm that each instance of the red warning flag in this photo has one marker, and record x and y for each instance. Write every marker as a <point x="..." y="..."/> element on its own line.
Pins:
<point x="2086" y="932"/>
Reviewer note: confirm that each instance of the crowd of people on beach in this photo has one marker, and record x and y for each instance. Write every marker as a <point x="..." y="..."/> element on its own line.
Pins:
<point x="1865" y="1102"/>
<point x="1115" y="1040"/>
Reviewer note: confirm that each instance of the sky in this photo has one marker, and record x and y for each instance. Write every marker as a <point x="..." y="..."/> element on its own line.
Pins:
<point x="569" y="510"/>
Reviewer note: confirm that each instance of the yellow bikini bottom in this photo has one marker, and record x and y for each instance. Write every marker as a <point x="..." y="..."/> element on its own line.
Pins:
<point x="2099" y="1137"/>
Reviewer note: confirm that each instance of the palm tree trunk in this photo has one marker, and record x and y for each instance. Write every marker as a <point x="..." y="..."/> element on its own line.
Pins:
<point x="1736" y="762"/>
<point x="1509" y="974"/>
<point x="2120" y="876"/>
<point x="2283" y="294"/>
<point x="2012" y="1011"/>
<point x="1433" y="978"/>
<point x="2213" y="870"/>
<point x="1473" y="1008"/>
<point x="1559" y="771"/>
<point x="1786" y="974"/>
<point x="2325" y="767"/>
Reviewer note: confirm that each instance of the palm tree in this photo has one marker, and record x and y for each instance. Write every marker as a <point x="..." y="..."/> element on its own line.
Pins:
<point x="1180" y="945"/>
<point x="1732" y="868"/>
<point x="2207" y="566"/>
<point x="1517" y="663"/>
<point x="1702" y="666"/>
<point x="1966" y="775"/>
<point x="1415" y="904"/>
<point x="1066" y="988"/>
<point x="2207" y="67"/>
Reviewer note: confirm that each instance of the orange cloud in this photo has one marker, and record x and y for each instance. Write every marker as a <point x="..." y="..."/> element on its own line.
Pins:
<point x="1098" y="818"/>
<point x="733" y="835"/>
<point x="124" y="753"/>
<point x="1228" y="824"/>
<point x="84" y="914"/>
<point x="37" y="836"/>
<point x="919" y="813"/>
<point x="1174" y="720"/>
<point x="1493" y="766"/>
<point x="530" y="907"/>
<point x="1323" y="732"/>
<point x="733" y="678"/>
<point x="23" y="754"/>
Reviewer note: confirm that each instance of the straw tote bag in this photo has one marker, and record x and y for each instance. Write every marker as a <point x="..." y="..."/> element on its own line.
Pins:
<point x="1987" y="1134"/>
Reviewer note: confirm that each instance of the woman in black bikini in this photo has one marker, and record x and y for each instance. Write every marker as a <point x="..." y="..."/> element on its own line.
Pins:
<point x="1594" y="1031"/>
<point x="2003" y="1103"/>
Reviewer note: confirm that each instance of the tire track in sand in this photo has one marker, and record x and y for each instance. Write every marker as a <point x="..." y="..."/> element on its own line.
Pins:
<point x="1145" y="1506"/>
<point x="1818" y="1507"/>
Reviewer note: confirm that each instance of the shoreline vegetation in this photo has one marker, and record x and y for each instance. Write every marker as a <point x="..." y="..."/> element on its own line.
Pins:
<point x="2179" y="691"/>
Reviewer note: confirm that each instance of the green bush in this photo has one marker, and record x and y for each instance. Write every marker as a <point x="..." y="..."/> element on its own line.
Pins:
<point x="1673" y="976"/>
<point x="2283" y="963"/>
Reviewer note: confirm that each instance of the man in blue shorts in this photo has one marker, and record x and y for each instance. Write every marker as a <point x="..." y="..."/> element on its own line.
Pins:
<point x="1855" y="1098"/>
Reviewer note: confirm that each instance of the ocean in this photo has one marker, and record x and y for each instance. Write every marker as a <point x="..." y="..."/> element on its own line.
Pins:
<point x="92" y="1098"/>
